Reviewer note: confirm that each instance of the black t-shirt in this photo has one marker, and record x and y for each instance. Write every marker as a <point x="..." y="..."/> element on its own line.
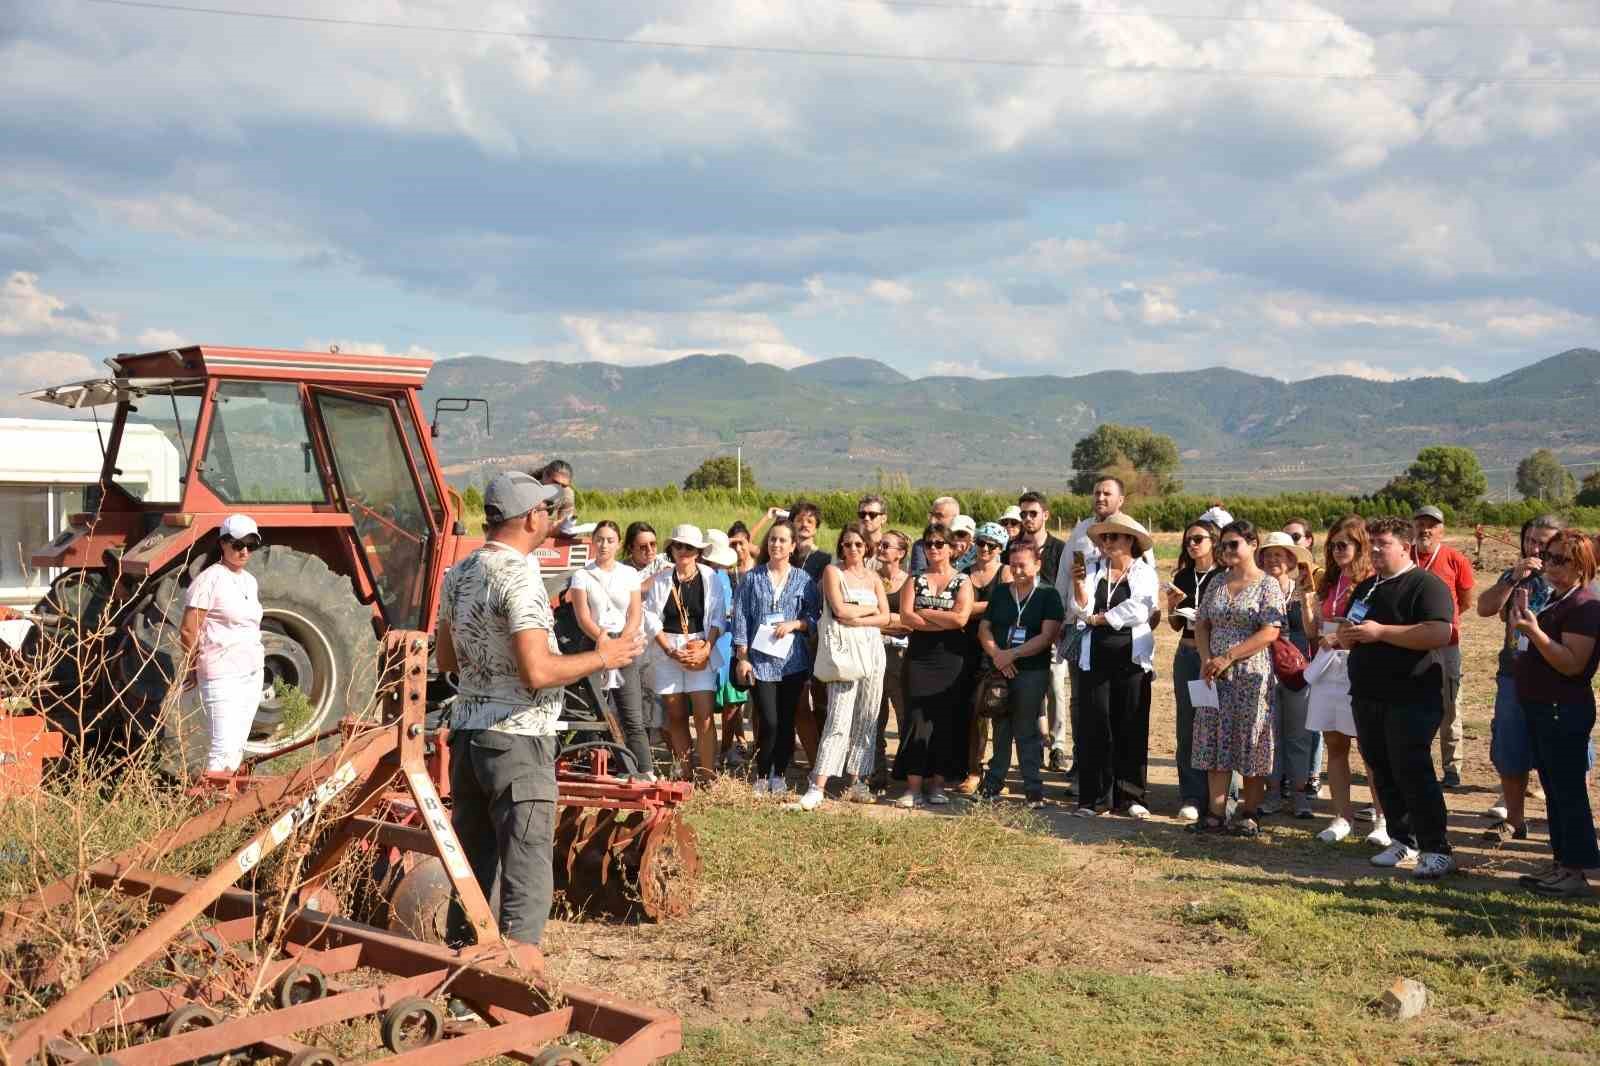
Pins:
<point x="813" y="562"/>
<point x="1537" y="680"/>
<point x="1043" y="606"/>
<point x="1186" y="580"/>
<point x="692" y="594"/>
<point x="1392" y="674"/>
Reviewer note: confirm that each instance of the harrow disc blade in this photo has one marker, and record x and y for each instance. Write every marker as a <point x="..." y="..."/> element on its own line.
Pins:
<point x="626" y="863"/>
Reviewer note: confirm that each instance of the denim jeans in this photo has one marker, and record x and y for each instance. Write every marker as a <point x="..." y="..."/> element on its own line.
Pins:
<point x="1191" y="782"/>
<point x="1296" y="748"/>
<point x="1028" y="690"/>
<point x="1396" y="741"/>
<point x="1560" y="734"/>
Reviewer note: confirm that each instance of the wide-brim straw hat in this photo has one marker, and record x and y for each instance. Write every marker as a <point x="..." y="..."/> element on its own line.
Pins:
<point x="720" y="553"/>
<point x="1121" y="523"/>
<point x="690" y="535"/>
<point x="1286" y="542"/>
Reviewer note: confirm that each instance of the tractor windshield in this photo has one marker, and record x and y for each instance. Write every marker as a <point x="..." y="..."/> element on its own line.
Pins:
<point x="157" y="438"/>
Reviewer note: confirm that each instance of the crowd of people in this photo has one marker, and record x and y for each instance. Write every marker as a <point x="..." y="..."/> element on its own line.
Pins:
<point x="734" y="650"/>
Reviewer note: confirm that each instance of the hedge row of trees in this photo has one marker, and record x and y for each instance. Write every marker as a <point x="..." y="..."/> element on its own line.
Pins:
<point x="908" y="509"/>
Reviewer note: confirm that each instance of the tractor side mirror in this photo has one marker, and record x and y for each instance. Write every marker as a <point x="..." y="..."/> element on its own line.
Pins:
<point x="457" y="404"/>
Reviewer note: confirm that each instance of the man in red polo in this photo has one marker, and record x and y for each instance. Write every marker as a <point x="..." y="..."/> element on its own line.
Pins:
<point x="1455" y="570"/>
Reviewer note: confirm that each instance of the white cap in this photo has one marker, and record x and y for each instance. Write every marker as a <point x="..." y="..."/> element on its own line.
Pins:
<point x="1012" y="514"/>
<point x="963" y="523"/>
<point x="239" y="526"/>
<point x="1219" y="516"/>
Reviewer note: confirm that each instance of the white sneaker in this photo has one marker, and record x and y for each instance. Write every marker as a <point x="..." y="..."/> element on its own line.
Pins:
<point x="1188" y="813"/>
<point x="907" y="801"/>
<point x="1395" y="855"/>
<point x="1431" y="866"/>
<point x="1138" y="810"/>
<point x="761" y="787"/>
<point x="1379" y="837"/>
<point x="812" y="799"/>
<point x="1498" y="812"/>
<point x="1337" y="830"/>
<point x="777" y="786"/>
<point x="937" y="797"/>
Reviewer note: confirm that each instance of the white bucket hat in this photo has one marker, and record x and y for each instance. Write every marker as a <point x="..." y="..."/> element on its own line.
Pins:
<point x="1284" y="541"/>
<point x="690" y="535"/>
<point x="720" y="553"/>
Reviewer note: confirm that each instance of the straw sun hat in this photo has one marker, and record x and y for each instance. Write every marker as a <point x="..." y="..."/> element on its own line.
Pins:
<point x="1284" y="541"/>
<point x="1121" y="523"/>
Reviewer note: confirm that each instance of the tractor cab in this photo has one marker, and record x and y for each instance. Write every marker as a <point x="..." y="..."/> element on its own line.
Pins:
<point x="325" y="451"/>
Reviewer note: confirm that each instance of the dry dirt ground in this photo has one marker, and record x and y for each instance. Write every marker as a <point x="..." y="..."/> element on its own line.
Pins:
<point x="771" y="936"/>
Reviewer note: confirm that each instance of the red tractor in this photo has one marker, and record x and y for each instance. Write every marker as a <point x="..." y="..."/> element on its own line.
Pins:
<point x="332" y="455"/>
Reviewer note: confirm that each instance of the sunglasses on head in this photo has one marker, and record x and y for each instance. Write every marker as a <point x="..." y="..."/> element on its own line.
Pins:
<point x="248" y="544"/>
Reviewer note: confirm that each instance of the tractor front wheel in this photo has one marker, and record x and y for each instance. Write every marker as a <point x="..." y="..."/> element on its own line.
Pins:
<point x="319" y="642"/>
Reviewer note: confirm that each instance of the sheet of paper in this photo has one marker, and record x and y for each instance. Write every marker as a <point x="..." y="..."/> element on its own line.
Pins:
<point x="1203" y="694"/>
<point x="769" y="644"/>
<point x="1186" y="613"/>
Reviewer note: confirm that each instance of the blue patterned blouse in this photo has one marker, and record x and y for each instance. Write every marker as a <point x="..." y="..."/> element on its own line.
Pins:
<point x="754" y="600"/>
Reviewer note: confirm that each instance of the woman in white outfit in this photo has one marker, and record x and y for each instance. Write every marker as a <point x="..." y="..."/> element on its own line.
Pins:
<point x="684" y="614"/>
<point x="221" y="639"/>
<point x="611" y="606"/>
<point x="858" y="606"/>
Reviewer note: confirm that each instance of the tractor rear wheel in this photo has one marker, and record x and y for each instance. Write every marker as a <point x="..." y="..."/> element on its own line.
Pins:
<point x="319" y="640"/>
<point x="67" y="646"/>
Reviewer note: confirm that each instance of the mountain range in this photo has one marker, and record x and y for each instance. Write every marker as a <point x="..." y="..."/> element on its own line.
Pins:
<point x="848" y="422"/>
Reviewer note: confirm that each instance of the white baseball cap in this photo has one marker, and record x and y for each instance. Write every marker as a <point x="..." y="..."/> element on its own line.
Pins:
<point x="239" y="526"/>
<point x="963" y="523"/>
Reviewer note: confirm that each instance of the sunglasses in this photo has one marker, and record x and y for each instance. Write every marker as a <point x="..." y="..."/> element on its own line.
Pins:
<point x="865" y="515"/>
<point x="853" y="545"/>
<point x="249" y="544"/>
<point x="1030" y="514"/>
<point x="1341" y="545"/>
<point x="1199" y="538"/>
<point x="1297" y="537"/>
<point x="1233" y="545"/>
<point x="930" y="545"/>
<point x="1555" y="559"/>
<point x="988" y="545"/>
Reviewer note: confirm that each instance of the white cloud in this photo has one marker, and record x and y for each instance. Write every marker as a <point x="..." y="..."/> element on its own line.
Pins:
<point x="891" y="292"/>
<point x="643" y="339"/>
<point x="1356" y="368"/>
<point x="27" y="371"/>
<point x="153" y="340"/>
<point x="954" y="369"/>
<point x="28" y="311"/>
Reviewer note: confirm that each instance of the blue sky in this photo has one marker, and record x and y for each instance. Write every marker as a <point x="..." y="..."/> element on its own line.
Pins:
<point x="1274" y="185"/>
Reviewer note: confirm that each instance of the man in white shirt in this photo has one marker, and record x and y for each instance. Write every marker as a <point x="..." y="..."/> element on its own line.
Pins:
<point x="496" y="631"/>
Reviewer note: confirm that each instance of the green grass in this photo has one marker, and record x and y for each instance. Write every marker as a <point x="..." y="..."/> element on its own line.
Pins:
<point x="981" y="939"/>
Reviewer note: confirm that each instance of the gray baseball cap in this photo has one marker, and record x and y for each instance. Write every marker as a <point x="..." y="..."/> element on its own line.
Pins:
<point x="1429" y="511"/>
<point x="513" y="494"/>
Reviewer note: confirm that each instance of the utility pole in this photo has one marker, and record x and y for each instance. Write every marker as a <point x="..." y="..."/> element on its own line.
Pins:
<point x="738" y="469"/>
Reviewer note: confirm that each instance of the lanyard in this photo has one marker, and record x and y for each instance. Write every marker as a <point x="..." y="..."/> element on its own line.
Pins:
<point x="777" y="590"/>
<point x="677" y="597"/>
<point x="1339" y="589"/>
<point x="1428" y="566"/>
<point x="1391" y="577"/>
<point x="1111" y="590"/>
<point x="1023" y="606"/>
<point x="1547" y="608"/>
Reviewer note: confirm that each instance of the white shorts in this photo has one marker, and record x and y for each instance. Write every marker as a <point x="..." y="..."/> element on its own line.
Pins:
<point x="673" y="680"/>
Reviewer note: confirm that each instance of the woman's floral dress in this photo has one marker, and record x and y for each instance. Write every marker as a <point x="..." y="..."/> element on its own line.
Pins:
<point x="1238" y="734"/>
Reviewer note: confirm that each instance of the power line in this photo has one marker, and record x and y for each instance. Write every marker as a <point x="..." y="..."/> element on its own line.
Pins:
<point x="1083" y="11"/>
<point x="823" y="53"/>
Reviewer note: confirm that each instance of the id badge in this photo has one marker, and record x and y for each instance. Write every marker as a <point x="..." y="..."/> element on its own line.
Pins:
<point x="1522" y="642"/>
<point x="774" y="618"/>
<point x="1357" y="612"/>
<point x="1018" y="636"/>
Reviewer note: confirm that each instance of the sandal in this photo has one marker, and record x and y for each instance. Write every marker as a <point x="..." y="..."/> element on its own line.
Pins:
<point x="1244" y="825"/>
<point x="1209" y="823"/>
